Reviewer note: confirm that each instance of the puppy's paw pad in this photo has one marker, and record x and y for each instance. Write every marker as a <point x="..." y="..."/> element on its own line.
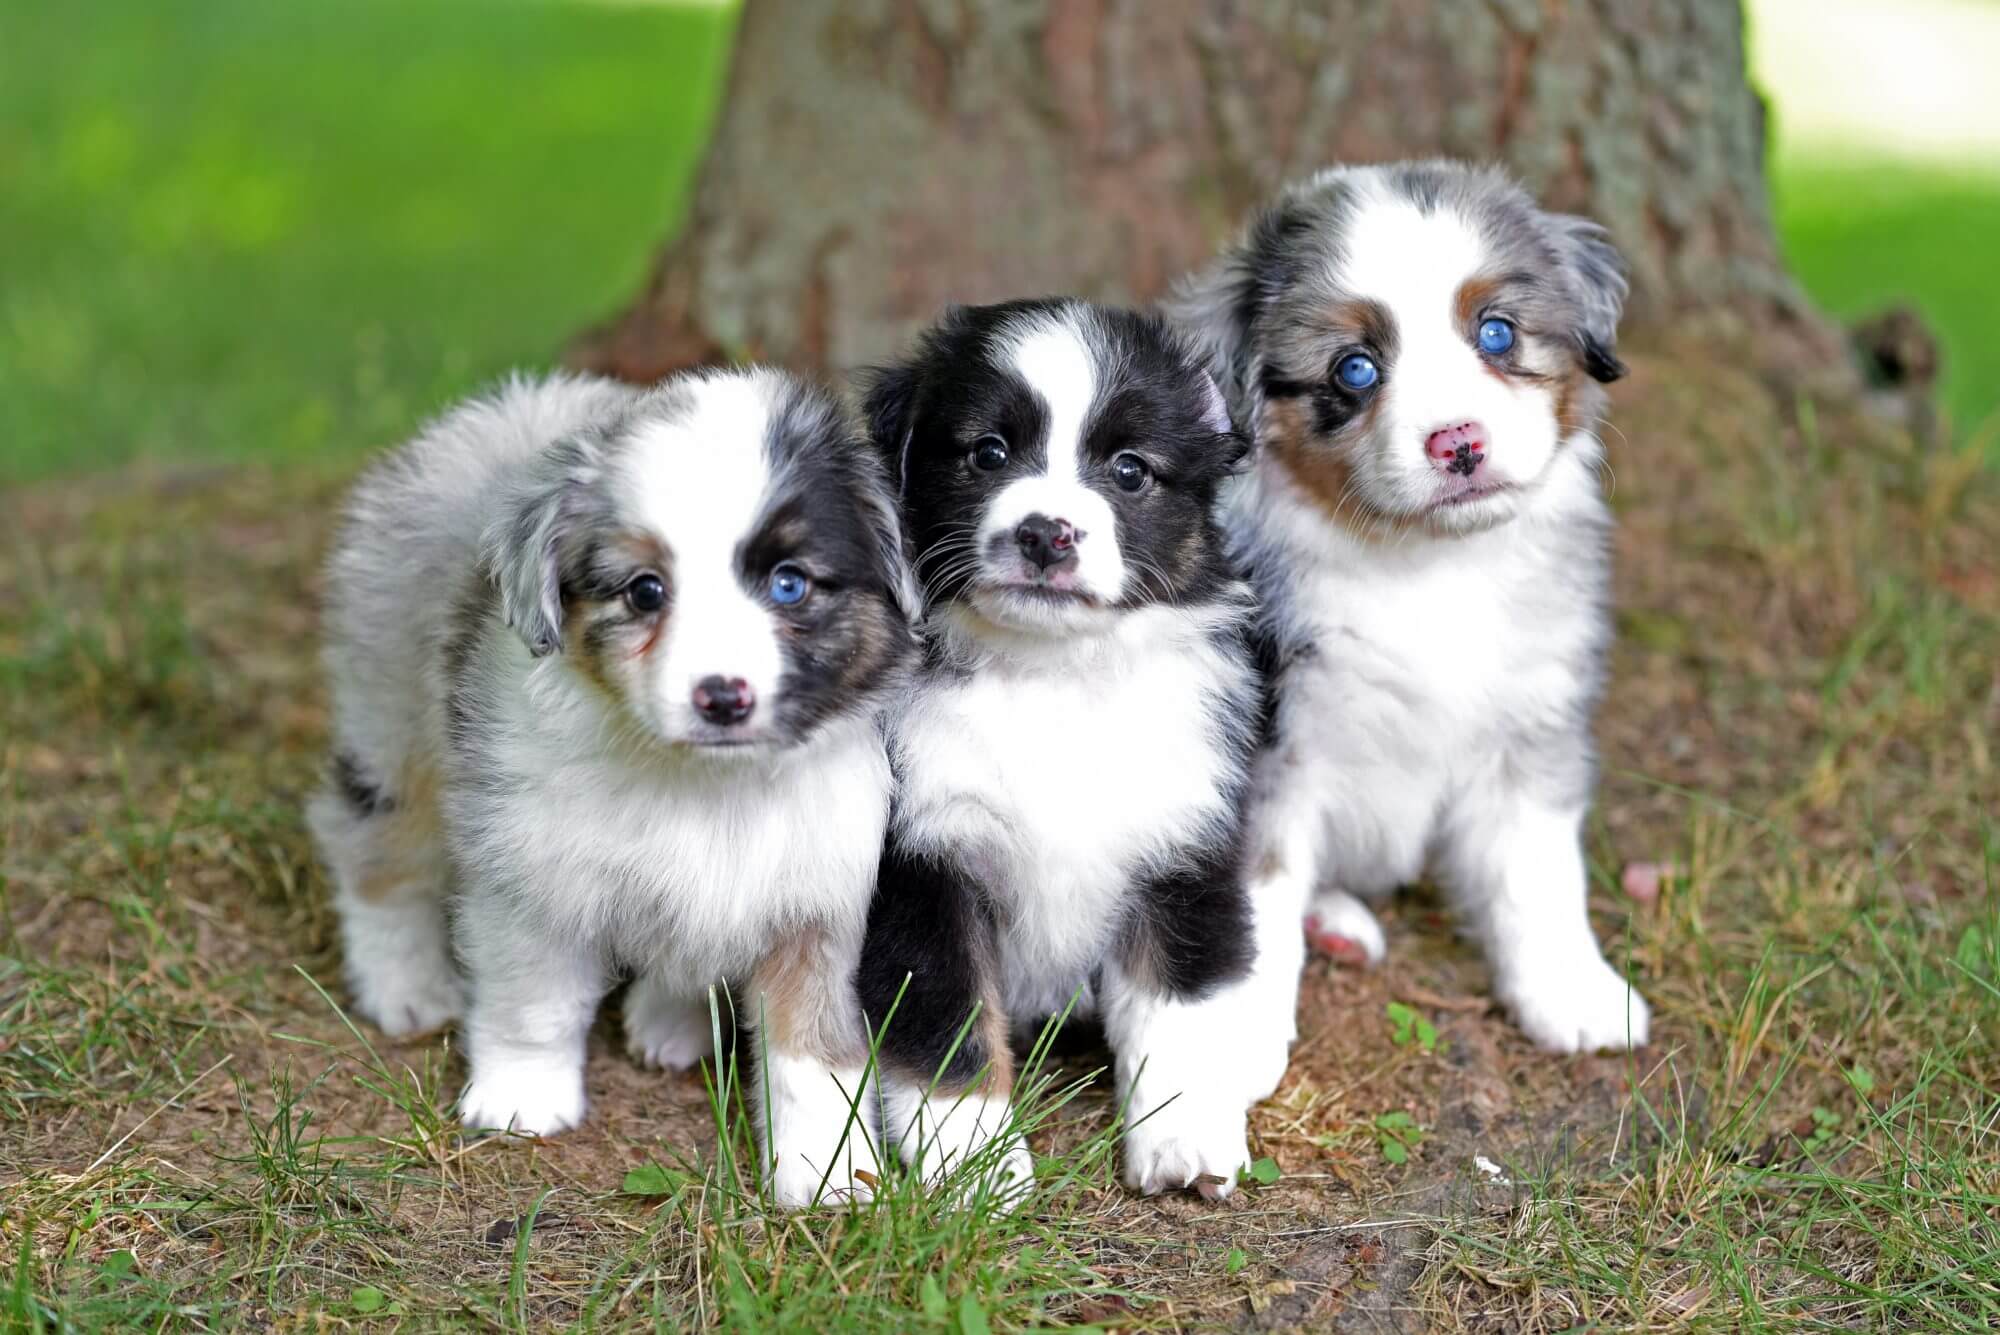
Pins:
<point x="537" y="1103"/>
<point x="1582" y="1007"/>
<point x="1339" y="925"/>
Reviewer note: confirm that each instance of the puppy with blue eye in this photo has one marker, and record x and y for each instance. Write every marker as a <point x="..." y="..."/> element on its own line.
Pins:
<point x="607" y="667"/>
<point x="1072" y="757"/>
<point x="1418" y="350"/>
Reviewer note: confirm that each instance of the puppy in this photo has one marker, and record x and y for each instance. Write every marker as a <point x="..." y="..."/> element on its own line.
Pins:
<point x="1073" y="755"/>
<point x="606" y="667"/>
<point x="1418" y="349"/>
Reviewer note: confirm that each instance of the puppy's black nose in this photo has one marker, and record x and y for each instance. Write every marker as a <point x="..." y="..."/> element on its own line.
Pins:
<point x="724" y="700"/>
<point x="1046" y="541"/>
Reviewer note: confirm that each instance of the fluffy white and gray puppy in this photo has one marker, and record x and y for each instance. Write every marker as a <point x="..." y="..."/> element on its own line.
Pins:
<point x="1417" y="349"/>
<point x="606" y="666"/>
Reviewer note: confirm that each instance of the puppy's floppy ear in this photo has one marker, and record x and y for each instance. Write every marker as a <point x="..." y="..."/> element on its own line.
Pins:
<point x="1596" y="275"/>
<point x="521" y="551"/>
<point x="884" y="518"/>
<point x="889" y="400"/>
<point x="1219" y="307"/>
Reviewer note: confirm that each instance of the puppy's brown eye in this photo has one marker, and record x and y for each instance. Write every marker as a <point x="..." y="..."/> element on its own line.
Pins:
<point x="646" y="595"/>
<point x="1129" y="471"/>
<point x="989" y="453"/>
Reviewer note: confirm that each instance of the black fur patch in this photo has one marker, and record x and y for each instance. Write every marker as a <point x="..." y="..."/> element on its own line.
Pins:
<point x="357" y="789"/>
<point x="1190" y="928"/>
<point x="928" y="923"/>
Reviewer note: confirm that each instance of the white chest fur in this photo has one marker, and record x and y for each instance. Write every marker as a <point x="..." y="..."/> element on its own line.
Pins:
<point x="690" y="865"/>
<point x="1438" y="646"/>
<point x="1057" y="775"/>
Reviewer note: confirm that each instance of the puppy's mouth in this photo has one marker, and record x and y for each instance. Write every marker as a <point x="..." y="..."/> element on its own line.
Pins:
<point x="1472" y="494"/>
<point x="1040" y="591"/>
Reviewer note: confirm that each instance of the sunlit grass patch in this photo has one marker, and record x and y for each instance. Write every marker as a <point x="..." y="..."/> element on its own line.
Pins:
<point x="275" y="230"/>
<point x="1863" y="234"/>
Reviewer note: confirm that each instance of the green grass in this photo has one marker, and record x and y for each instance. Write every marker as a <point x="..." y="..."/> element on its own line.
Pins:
<point x="241" y="228"/>
<point x="1861" y="235"/>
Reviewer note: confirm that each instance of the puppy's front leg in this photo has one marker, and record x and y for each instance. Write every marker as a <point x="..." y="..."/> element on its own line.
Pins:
<point x="533" y="997"/>
<point x="812" y="1053"/>
<point x="1516" y="867"/>
<point x="1195" y="1027"/>
<point x="931" y="955"/>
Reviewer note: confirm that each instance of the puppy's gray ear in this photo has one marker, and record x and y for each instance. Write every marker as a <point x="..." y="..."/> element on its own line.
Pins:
<point x="1218" y="307"/>
<point x="1596" y="274"/>
<point x="521" y="552"/>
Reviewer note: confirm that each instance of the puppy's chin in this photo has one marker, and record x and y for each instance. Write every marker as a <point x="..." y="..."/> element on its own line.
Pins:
<point x="1038" y="609"/>
<point x="692" y="739"/>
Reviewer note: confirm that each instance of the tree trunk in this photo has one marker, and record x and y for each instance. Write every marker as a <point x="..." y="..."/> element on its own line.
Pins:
<point x="875" y="160"/>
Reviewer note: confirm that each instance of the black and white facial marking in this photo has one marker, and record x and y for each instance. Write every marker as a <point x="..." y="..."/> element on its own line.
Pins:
<point x="1413" y="344"/>
<point x="1058" y="463"/>
<point x="723" y="561"/>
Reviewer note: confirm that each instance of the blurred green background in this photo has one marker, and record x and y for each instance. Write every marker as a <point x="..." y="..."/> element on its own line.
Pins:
<point x="294" y="227"/>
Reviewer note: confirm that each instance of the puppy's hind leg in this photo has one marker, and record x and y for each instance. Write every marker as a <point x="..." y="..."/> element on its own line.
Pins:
<point x="1287" y="834"/>
<point x="386" y="856"/>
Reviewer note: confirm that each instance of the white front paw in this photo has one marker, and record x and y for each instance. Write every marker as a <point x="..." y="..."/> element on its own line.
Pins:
<point x="668" y="1032"/>
<point x="415" y="1003"/>
<point x="796" y="1177"/>
<point x="1580" y="1005"/>
<point x="533" y="1098"/>
<point x="1189" y="1142"/>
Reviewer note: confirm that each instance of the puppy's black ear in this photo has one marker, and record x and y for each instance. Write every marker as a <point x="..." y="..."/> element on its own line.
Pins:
<point x="889" y="401"/>
<point x="521" y="552"/>
<point x="1215" y="416"/>
<point x="1595" y="272"/>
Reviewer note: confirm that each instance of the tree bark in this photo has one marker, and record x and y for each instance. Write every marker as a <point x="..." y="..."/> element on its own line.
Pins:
<point x="875" y="160"/>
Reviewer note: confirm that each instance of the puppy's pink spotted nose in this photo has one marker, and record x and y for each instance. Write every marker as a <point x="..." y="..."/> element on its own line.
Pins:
<point x="1459" y="448"/>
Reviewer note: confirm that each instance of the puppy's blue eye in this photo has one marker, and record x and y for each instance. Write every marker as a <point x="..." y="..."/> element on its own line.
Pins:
<point x="1495" y="337"/>
<point x="989" y="452"/>
<point x="1357" y="371"/>
<point x="789" y="585"/>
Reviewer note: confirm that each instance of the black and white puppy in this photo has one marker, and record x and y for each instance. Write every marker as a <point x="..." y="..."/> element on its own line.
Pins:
<point x="1073" y="756"/>
<point x="1417" y="349"/>
<point x="606" y="669"/>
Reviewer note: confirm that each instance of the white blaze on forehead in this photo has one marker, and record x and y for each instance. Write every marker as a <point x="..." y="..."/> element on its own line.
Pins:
<point x="1411" y="261"/>
<point x="1055" y="361"/>
<point x="1413" y="264"/>
<point x="699" y="482"/>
